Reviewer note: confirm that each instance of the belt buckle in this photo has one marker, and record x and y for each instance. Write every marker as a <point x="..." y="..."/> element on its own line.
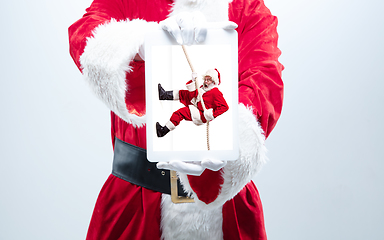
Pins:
<point x="174" y="192"/>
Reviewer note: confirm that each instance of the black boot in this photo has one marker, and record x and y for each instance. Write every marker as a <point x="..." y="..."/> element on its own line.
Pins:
<point x="164" y="95"/>
<point x="161" y="131"/>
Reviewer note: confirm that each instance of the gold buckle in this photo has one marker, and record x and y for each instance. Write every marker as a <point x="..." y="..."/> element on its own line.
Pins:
<point x="174" y="192"/>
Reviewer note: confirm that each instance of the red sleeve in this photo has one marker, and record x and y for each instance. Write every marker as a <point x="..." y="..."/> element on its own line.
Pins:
<point x="99" y="12"/>
<point x="221" y="105"/>
<point x="260" y="83"/>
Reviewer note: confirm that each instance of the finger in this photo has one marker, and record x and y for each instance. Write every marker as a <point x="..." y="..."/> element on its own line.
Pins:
<point x="213" y="164"/>
<point x="230" y="26"/>
<point x="172" y="27"/>
<point x="200" y="34"/>
<point x="163" y="165"/>
<point x="200" y="27"/>
<point x="188" y="168"/>
<point x="185" y="23"/>
<point x="177" y="35"/>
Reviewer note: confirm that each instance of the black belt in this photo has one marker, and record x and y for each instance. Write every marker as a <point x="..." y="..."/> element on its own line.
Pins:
<point x="130" y="164"/>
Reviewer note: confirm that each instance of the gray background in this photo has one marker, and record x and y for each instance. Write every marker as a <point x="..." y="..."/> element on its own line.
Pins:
<point x="324" y="177"/>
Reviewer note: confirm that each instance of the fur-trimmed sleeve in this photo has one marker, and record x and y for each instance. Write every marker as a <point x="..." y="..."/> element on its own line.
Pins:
<point x="260" y="82"/>
<point x="102" y="44"/>
<point x="213" y="189"/>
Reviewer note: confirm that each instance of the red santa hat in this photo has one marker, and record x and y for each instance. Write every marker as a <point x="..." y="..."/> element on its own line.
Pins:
<point x="214" y="74"/>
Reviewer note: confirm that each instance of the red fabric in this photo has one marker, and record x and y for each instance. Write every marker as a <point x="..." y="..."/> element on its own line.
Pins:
<point x="123" y="209"/>
<point x="179" y="115"/>
<point x="260" y="83"/>
<point x="102" y="11"/>
<point x="211" y="180"/>
<point x="185" y="96"/>
<point x="126" y="211"/>
<point x="213" y="99"/>
<point x="246" y="212"/>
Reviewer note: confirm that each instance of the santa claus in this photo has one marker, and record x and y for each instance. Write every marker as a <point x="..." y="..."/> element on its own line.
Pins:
<point x="214" y="102"/>
<point x="105" y="45"/>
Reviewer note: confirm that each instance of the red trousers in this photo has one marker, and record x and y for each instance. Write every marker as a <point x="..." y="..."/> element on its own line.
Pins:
<point x="185" y="97"/>
<point x="184" y="113"/>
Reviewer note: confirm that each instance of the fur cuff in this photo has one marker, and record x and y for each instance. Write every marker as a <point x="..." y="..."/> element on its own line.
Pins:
<point x="191" y="86"/>
<point x="208" y="114"/>
<point x="170" y="126"/>
<point x="237" y="174"/>
<point x="195" y="115"/>
<point x="106" y="59"/>
<point x="176" y="95"/>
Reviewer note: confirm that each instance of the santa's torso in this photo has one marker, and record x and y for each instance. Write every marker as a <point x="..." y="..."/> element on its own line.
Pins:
<point x="128" y="211"/>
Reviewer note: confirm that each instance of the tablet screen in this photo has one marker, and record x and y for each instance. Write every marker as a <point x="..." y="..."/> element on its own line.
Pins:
<point x="166" y="64"/>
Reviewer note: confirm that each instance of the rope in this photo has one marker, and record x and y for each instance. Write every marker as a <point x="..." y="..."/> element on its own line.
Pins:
<point x="208" y="136"/>
<point x="198" y="92"/>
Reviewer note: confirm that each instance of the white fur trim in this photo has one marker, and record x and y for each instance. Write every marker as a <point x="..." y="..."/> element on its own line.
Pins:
<point x="208" y="114"/>
<point x="195" y="114"/>
<point x="196" y="99"/>
<point x="238" y="173"/>
<point x="213" y="10"/>
<point x="176" y="95"/>
<point x="106" y="59"/>
<point x="209" y="88"/>
<point x="191" y="86"/>
<point x="213" y="74"/>
<point x="187" y="221"/>
<point x="170" y="125"/>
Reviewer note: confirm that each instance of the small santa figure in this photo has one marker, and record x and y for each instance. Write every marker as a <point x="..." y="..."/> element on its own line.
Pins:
<point x="194" y="111"/>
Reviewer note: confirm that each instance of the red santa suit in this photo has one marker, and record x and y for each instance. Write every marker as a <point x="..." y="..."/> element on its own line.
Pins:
<point x="193" y="111"/>
<point x="103" y="44"/>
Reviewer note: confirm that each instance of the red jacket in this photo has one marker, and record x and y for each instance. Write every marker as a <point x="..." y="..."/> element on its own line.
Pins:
<point x="213" y="98"/>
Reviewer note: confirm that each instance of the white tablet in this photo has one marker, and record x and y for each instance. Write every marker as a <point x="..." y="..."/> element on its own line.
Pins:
<point x="166" y="63"/>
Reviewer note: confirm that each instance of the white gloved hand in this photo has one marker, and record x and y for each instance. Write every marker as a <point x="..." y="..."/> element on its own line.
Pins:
<point x="192" y="168"/>
<point x="189" y="28"/>
<point x="213" y="164"/>
<point x="194" y="76"/>
<point x="186" y="27"/>
<point x="208" y="114"/>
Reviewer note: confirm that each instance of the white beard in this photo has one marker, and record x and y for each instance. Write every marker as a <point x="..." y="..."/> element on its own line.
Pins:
<point x="209" y="87"/>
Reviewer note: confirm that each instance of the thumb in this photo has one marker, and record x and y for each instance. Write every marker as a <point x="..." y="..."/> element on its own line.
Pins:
<point x="213" y="164"/>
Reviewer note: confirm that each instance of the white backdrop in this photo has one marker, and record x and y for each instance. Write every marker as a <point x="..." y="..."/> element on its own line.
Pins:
<point x="323" y="180"/>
